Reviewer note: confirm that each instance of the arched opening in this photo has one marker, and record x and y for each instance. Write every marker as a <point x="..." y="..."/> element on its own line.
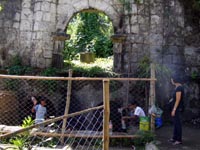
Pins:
<point x="90" y="35"/>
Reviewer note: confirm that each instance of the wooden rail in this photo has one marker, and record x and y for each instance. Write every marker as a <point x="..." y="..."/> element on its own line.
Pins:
<point x="73" y="78"/>
<point x="82" y="135"/>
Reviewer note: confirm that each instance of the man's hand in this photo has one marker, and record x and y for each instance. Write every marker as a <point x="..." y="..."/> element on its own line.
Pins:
<point x="173" y="112"/>
<point x="34" y="100"/>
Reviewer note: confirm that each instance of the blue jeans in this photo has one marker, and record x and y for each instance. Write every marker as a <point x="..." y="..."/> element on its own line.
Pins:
<point x="177" y="134"/>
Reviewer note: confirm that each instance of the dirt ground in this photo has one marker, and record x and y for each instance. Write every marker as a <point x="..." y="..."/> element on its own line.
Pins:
<point x="191" y="137"/>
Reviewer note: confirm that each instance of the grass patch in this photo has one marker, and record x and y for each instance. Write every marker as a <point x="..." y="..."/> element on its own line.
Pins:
<point x="102" y="67"/>
<point x="104" y="63"/>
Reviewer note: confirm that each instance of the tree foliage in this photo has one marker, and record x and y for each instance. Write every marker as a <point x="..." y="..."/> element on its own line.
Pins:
<point x="89" y="32"/>
<point x="198" y="3"/>
<point x="2" y="3"/>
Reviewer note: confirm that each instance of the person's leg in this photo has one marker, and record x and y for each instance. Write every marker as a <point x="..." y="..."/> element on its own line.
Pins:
<point x="175" y="129"/>
<point x="179" y="128"/>
<point x="177" y="135"/>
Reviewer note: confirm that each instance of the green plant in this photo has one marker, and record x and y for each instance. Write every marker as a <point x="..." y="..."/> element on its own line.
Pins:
<point x="16" y="67"/>
<point x="127" y="4"/>
<point x="19" y="70"/>
<point x="90" y="32"/>
<point x="2" y="4"/>
<point x="1" y="7"/>
<point x="196" y="4"/>
<point x="22" y="140"/>
<point x="194" y="75"/>
<point x="49" y="72"/>
<point x="144" y="137"/>
<point x="102" y="67"/>
<point x="16" y="60"/>
<point x="70" y="52"/>
<point x="138" y="1"/>
<point x="28" y="121"/>
<point x="19" y="142"/>
<point x="143" y="67"/>
<point x="144" y="70"/>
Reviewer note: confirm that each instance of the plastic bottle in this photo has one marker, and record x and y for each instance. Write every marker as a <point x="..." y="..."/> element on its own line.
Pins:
<point x="123" y="125"/>
<point x="110" y="127"/>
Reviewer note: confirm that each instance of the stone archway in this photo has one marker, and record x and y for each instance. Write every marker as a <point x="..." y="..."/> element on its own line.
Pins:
<point x="74" y="8"/>
<point x="66" y="10"/>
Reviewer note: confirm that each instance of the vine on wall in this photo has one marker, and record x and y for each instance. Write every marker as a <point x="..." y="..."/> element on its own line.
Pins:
<point x="127" y="3"/>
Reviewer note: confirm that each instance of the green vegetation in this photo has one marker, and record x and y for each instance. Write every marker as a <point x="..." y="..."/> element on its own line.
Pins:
<point x="139" y="142"/>
<point x="49" y="72"/>
<point x="194" y="75"/>
<point x="21" y="141"/>
<point x="28" y="121"/>
<point x="16" y="67"/>
<point x="90" y="32"/>
<point x="197" y="4"/>
<point x="1" y="7"/>
<point x="143" y="69"/>
<point x="127" y="4"/>
<point x="2" y="4"/>
<point x="102" y="67"/>
<point x="145" y="137"/>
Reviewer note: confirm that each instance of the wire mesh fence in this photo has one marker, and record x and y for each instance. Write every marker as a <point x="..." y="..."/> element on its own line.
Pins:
<point x="82" y="131"/>
<point x="52" y="134"/>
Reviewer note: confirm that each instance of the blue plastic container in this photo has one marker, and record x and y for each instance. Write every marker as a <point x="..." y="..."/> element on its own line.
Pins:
<point x="158" y="122"/>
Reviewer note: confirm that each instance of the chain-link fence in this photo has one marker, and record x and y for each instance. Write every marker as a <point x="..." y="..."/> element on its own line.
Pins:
<point x="16" y="103"/>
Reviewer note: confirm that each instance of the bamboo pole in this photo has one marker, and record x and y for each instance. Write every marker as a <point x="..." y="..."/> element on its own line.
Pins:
<point x="152" y="95"/>
<point x="74" y="135"/>
<point x="73" y="78"/>
<point x="49" y="121"/>
<point x="67" y="106"/>
<point x="106" y="117"/>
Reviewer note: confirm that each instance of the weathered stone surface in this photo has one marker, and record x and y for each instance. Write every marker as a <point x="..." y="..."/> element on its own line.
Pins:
<point x="135" y="28"/>
<point x="26" y="14"/>
<point x="154" y="28"/>
<point x="155" y="39"/>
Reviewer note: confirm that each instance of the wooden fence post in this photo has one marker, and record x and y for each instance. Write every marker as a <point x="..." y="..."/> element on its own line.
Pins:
<point x="69" y="84"/>
<point x="152" y="95"/>
<point x="106" y="117"/>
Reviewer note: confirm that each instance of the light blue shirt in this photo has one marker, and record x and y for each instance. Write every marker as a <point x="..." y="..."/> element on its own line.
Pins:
<point x="40" y="113"/>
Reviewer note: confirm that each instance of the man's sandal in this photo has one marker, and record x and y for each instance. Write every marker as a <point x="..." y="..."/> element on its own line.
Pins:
<point x="177" y="143"/>
<point x="171" y="140"/>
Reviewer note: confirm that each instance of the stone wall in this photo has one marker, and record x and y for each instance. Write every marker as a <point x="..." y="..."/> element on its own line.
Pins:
<point x="153" y="28"/>
<point x="159" y="30"/>
<point x="9" y="30"/>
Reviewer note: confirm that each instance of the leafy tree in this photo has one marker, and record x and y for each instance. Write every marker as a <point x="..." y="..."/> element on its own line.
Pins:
<point x="2" y="4"/>
<point x="89" y="32"/>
